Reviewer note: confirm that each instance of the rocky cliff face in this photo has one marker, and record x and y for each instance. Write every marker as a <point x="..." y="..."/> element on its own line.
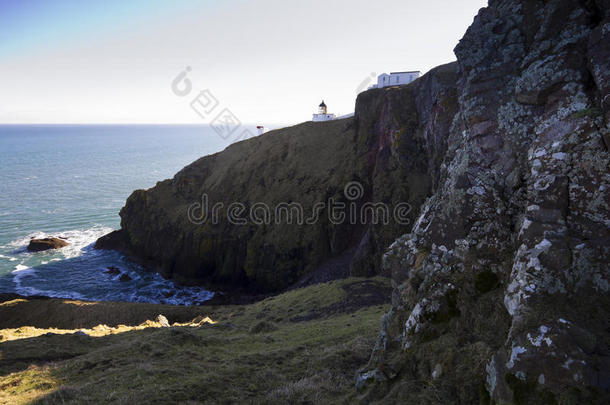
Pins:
<point x="501" y="287"/>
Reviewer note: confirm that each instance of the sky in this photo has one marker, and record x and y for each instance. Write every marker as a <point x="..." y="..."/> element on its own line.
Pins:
<point x="268" y="62"/>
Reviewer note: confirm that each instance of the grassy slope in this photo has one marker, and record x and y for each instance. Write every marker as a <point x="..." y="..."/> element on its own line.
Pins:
<point x="302" y="346"/>
<point x="306" y="164"/>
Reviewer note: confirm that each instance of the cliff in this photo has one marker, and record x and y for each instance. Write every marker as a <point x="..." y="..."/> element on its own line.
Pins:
<point x="501" y="287"/>
<point x="499" y="267"/>
<point x="383" y="155"/>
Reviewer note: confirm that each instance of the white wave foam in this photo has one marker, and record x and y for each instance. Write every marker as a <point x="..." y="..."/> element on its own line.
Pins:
<point x="28" y="290"/>
<point x="22" y="271"/>
<point x="22" y="242"/>
<point x="143" y="286"/>
<point x="77" y="239"/>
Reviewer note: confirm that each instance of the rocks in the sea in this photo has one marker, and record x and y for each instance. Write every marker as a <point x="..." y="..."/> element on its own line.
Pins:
<point x="115" y="271"/>
<point x="39" y="245"/>
<point x="112" y="270"/>
<point x="162" y="320"/>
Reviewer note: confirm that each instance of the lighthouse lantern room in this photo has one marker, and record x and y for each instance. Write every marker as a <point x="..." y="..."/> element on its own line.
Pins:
<point x="322" y="114"/>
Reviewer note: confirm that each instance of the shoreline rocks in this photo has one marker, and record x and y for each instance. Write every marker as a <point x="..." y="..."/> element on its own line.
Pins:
<point x="114" y="271"/>
<point x="42" y="244"/>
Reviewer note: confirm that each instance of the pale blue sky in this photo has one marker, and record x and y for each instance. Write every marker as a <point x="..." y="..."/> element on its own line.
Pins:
<point x="269" y="61"/>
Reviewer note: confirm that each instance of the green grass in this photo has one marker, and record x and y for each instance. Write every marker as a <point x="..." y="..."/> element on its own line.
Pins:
<point x="302" y="346"/>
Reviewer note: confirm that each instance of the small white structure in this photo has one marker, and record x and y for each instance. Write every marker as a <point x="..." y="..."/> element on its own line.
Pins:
<point x="395" y="79"/>
<point x="261" y="129"/>
<point x="340" y="117"/>
<point x="322" y="114"/>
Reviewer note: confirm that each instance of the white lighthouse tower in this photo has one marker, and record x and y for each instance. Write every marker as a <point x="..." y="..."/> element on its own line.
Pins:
<point x="322" y="114"/>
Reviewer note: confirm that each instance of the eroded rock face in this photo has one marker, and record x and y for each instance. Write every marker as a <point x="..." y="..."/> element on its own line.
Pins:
<point x="501" y="287"/>
<point x="403" y="131"/>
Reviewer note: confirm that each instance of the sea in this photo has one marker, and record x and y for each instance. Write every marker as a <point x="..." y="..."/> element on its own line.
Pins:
<point x="71" y="181"/>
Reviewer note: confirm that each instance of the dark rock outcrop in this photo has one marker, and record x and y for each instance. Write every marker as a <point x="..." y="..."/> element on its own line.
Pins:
<point x="501" y="287"/>
<point x="39" y="245"/>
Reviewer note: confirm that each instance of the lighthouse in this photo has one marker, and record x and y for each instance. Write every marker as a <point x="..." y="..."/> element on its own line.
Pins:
<point x="322" y="108"/>
<point x="323" y="114"/>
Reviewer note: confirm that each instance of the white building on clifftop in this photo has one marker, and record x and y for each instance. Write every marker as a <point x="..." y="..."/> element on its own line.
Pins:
<point x="322" y="114"/>
<point x="395" y="79"/>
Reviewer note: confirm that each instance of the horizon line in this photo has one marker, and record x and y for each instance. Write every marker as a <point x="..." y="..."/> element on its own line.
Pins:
<point x="128" y="123"/>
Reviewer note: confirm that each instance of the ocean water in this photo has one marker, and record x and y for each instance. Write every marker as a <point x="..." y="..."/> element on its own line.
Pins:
<point x="71" y="181"/>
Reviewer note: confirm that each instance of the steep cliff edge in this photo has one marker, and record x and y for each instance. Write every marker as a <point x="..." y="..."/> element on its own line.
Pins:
<point x="382" y="155"/>
<point x="501" y="287"/>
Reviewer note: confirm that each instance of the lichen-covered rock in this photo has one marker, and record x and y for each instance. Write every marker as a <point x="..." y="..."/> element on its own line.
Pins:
<point x="404" y="131"/>
<point x="503" y="281"/>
